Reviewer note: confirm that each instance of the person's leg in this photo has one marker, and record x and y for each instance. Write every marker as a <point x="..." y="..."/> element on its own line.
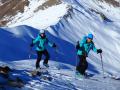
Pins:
<point x="47" y="57"/>
<point x="82" y="64"/>
<point x="84" y="67"/>
<point x="78" y="64"/>
<point x="39" y="55"/>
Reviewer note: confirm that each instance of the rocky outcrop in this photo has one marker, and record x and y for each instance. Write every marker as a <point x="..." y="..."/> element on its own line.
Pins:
<point x="10" y="8"/>
<point x="112" y="2"/>
<point x="47" y="4"/>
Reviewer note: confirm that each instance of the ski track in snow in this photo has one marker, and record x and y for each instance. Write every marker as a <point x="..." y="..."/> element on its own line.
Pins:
<point x="63" y="78"/>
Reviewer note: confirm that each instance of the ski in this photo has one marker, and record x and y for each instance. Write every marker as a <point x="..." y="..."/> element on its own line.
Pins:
<point x="42" y="74"/>
<point x="79" y="76"/>
<point x="113" y="77"/>
<point x="16" y="83"/>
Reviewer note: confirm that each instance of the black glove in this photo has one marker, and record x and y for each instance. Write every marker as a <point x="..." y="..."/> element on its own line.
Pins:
<point x="99" y="51"/>
<point x="77" y="46"/>
<point x="54" y="45"/>
<point x="31" y="45"/>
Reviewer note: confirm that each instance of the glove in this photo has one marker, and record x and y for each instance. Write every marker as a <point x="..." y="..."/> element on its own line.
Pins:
<point x="31" y="45"/>
<point x="99" y="51"/>
<point x="77" y="46"/>
<point x="54" y="45"/>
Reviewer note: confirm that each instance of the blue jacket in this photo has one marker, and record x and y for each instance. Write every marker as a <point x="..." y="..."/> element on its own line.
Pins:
<point x="40" y="43"/>
<point x="85" y="47"/>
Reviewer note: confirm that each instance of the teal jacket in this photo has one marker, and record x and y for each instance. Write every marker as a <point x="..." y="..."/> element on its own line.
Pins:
<point x="85" y="47"/>
<point x="40" y="43"/>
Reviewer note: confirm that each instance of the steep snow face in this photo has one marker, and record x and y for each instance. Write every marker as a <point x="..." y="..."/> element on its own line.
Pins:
<point x="108" y="7"/>
<point x="39" y="15"/>
<point x="80" y="20"/>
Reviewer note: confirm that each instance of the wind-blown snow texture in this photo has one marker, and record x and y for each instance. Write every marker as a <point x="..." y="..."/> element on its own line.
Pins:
<point x="64" y="78"/>
<point x="80" y="20"/>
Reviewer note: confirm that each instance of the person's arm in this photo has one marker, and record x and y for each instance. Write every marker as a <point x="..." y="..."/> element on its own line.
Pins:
<point x="80" y="44"/>
<point x="50" y="44"/>
<point x="96" y="50"/>
<point x="36" y="39"/>
<point x="80" y="47"/>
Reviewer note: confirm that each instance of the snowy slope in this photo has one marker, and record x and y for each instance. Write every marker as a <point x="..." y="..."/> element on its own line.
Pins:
<point x="64" y="78"/>
<point x="77" y="22"/>
<point x="109" y="10"/>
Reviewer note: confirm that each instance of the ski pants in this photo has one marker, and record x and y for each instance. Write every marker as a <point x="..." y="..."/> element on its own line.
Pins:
<point x="82" y="64"/>
<point x="39" y="56"/>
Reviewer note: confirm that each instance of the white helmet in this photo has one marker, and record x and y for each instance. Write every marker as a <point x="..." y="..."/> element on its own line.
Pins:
<point x="42" y="31"/>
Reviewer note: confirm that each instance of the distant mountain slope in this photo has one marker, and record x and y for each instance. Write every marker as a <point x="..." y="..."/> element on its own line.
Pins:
<point x="10" y="8"/>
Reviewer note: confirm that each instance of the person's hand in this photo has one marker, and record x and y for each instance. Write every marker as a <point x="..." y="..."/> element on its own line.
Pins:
<point x="31" y="45"/>
<point x="99" y="51"/>
<point x="77" y="46"/>
<point x="54" y="45"/>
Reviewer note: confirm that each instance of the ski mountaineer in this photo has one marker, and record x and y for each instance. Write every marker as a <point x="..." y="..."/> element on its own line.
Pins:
<point x="83" y="48"/>
<point x="40" y="42"/>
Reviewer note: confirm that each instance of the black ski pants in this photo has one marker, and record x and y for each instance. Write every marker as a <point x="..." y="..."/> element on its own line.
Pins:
<point x="39" y="56"/>
<point x="82" y="64"/>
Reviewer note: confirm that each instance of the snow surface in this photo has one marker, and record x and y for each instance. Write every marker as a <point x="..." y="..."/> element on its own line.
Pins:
<point x="64" y="78"/>
<point x="109" y="10"/>
<point x="77" y="22"/>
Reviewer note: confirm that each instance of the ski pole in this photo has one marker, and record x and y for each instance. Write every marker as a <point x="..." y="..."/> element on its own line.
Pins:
<point x="31" y="53"/>
<point x="29" y="56"/>
<point x="56" y="57"/>
<point x="102" y="64"/>
<point x="30" y="49"/>
<point x="76" y="63"/>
